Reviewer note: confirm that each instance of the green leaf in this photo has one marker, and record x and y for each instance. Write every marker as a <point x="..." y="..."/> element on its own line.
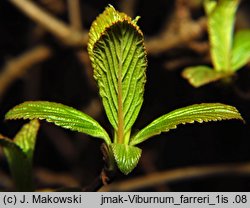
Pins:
<point x="20" y="165"/>
<point x="118" y="56"/>
<point x="61" y="115"/>
<point x="98" y="27"/>
<point x="19" y="153"/>
<point x="220" y="28"/>
<point x="241" y="49"/>
<point x="201" y="75"/>
<point x="126" y="157"/>
<point x="26" y="138"/>
<point x="199" y="112"/>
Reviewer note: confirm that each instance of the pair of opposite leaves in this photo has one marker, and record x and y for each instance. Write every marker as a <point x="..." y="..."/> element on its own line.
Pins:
<point x="118" y="56"/>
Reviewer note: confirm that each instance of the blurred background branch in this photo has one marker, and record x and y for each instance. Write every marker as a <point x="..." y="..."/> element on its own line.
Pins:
<point x="16" y="67"/>
<point x="179" y="31"/>
<point x="65" y="33"/>
<point x="75" y="14"/>
<point x="170" y="176"/>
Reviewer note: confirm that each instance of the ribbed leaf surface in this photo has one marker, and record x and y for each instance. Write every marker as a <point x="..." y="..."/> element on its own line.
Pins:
<point x="126" y="157"/>
<point x="220" y="28"/>
<point x="241" y="49"/>
<point x="61" y="115"/>
<point x="198" y="112"/>
<point x="26" y="138"/>
<point x="119" y="61"/>
<point x="102" y="22"/>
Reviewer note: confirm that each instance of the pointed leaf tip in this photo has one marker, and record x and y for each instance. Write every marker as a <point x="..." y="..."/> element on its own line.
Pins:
<point x="26" y="138"/>
<point x="59" y="114"/>
<point x="204" y="112"/>
<point x="202" y="75"/>
<point x="126" y="157"/>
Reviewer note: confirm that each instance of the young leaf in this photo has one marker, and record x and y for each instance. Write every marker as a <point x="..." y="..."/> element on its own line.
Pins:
<point x="241" y="49"/>
<point x="201" y="75"/>
<point x="103" y="21"/>
<point x="220" y="28"/>
<point x="199" y="112"/>
<point x="26" y="138"/>
<point x="118" y="57"/>
<point x="126" y="157"/>
<point x="61" y="115"/>
<point x="20" y="166"/>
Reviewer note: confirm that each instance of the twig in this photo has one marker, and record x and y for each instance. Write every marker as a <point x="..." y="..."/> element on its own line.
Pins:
<point x="180" y="174"/>
<point x="67" y="35"/>
<point x="199" y="47"/>
<point x="54" y="6"/>
<point x="75" y="14"/>
<point x="180" y="30"/>
<point x="16" y="67"/>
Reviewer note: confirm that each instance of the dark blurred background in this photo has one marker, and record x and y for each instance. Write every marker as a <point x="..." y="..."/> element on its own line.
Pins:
<point x="37" y="64"/>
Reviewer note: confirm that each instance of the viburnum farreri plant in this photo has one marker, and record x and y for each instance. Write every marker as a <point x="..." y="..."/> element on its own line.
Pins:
<point x="118" y="56"/>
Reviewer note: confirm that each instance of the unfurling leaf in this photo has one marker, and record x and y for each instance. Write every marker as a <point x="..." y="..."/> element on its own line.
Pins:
<point x="199" y="112"/>
<point x="26" y="138"/>
<point x="19" y="153"/>
<point x="126" y="157"/>
<point x="61" y="115"/>
<point x="241" y="49"/>
<point x="201" y="75"/>
<point x="220" y="28"/>
<point x="118" y="56"/>
<point x="19" y="165"/>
